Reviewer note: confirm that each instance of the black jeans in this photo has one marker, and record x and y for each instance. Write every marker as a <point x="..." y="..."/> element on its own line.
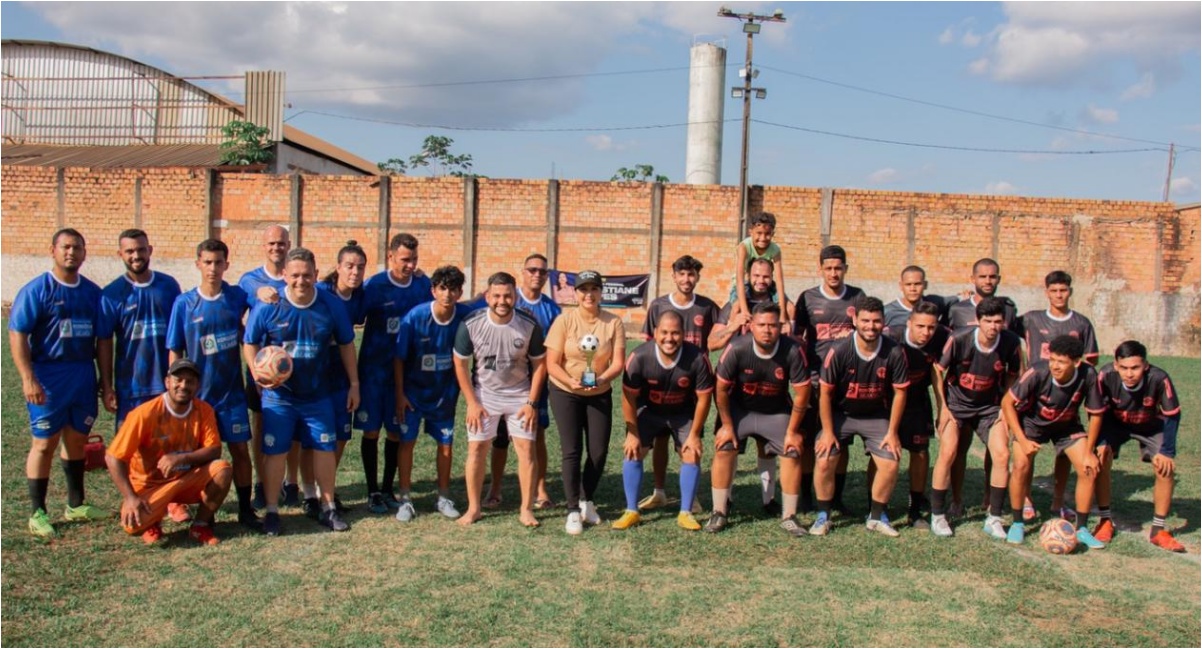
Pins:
<point x="582" y="420"/>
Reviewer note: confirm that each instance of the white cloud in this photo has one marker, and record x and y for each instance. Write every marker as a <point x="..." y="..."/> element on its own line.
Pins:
<point x="1059" y="43"/>
<point x="883" y="176"/>
<point x="1141" y="89"/>
<point x="1100" y="115"/>
<point x="970" y="39"/>
<point x="1183" y="186"/>
<point x="1000" y="187"/>
<point x="947" y="37"/>
<point x="606" y="143"/>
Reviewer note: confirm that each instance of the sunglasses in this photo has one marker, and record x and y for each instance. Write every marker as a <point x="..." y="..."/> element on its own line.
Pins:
<point x="537" y="271"/>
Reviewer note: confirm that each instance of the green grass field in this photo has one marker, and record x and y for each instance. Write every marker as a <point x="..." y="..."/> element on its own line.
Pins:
<point x="432" y="583"/>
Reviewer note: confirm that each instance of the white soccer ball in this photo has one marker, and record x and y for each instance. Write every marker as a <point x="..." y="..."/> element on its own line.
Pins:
<point x="589" y="343"/>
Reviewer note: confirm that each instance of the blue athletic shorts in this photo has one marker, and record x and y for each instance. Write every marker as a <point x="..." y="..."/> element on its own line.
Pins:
<point x="126" y="405"/>
<point x="233" y="423"/>
<point x="377" y="400"/>
<point x="439" y="424"/>
<point x="70" y="399"/>
<point x="309" y="422"/>
<point x="342" y="418"/>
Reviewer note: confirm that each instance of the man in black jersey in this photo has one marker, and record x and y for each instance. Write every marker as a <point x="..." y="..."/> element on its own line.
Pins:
<point x="913" y="285"/>
<point x="698" y="314"/>
<point x="1141" y="404"/>
<point x="666" y="392"/>
<point x="754" y="375"/>
<point x="1041" y="408"/>
<point x="986" y="276"/>
<point x="864" y="380"/>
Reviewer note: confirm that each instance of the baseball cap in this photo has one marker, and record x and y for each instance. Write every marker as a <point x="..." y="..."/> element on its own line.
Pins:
<point x="183" y="365"/>
<point x="586" y="277"/>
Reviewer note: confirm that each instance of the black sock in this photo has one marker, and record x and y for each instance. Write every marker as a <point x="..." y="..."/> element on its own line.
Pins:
<point x="939" y="502"/>
<point x="840" y="482"/>
<point x="1157" y="524"/>
<point x="1104" y="512"/>
<point x="878" y="508"/>
<point x="1018" y="515"/>
<point x="370" y="450"/>
<point x="391" y="448"/>
<point x="243" y="499"/>
<point x="916" y="504"/>
<point x="824" y="507"/>
<point x="807" y="492"/>
<point x="997" y="500"/>
<point x="73" y="469"/>
<point x="37" y="493"/>
<point x="1082" y="519"/>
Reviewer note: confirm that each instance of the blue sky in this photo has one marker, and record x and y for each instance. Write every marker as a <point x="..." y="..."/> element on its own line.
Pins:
<point x="1122" y="69"/>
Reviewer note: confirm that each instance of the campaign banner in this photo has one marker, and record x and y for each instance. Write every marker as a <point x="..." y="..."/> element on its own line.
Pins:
<point x="621" y="291"/>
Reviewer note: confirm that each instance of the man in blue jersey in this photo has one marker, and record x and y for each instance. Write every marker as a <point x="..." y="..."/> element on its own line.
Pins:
<point x="54" y="332"/>
<point x="426" y="390"/>
<point x="264" y="284"/>
<point x="302" y="322"/>
<point x="206" y="327"/>
<point x="530" y="299"/>
<point x="389" y="295"/>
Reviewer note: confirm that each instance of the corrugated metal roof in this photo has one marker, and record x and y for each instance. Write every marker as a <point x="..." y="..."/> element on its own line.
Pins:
<point x="127" y="156"/>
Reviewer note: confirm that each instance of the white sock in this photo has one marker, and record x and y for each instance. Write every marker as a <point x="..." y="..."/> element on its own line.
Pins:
<point x="766" y="468"/>
<point x="789" y="505"/>
<point x="309" y="489"/>
<point x="661" y="493"/>
<point x="721" y="497"/>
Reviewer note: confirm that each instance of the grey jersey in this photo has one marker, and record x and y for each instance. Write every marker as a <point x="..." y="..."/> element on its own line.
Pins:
<point x="502" y="351"/>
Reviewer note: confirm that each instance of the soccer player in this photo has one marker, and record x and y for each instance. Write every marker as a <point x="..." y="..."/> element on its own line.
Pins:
<point x="824" y="317"/>
<point x="206" y="327"/>
<point x="1141" y="404"/>
<point x="864" y="379"/>
<point x="54" y="332"/>
<point x="531" y="300"/>
<point x="426" y="388"/>
<point x="729" y="324"/>
<point x="264" y="284"/>
<point x="913" y="285"/>
<point x="302" y="322"/>
<point x="923" y="339"/>
<point x="754" y="375"/>
<point x="139" y="305"/>
<point x="666" y="391"/>
<point x="169" y="451"/>
<point x="500" y="365"/>
<point x="698" y="314"/>
<point x="977" y="367"/>
<point x="1048" y="397"/>
<point x="390" y="294"/>
<point x="986" y="276"/>
<point x="1038" y="328"/>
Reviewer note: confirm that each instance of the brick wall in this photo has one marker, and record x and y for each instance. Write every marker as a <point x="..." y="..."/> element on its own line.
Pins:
<point x="1136" y="264"/>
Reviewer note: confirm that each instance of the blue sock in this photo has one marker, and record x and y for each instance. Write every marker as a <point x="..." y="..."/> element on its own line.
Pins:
<point x="632" y="479"/>
<point x="689" y="475"/>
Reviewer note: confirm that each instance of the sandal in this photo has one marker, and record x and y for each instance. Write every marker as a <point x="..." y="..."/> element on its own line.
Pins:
<point x="544" y="504"/>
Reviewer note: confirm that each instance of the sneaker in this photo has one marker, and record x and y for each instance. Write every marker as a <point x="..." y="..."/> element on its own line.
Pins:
<point x="1164" y="539"/>
<point x="656" y="500"/>
<point x="716" y="523"/>
<point x="290" y="496"/>
<point x="1017" y="533"/>
<point x="390" y="500"/>
<point x="792" y="527"/>
<point x="311" y="508"/>
<point x="821" y="526"/>
<point x="940" y="526"/>
<point x="993" y="527"/>
<point x="772" y="508"/>
<point x="250" y="520"/>
<point x="686" y="521"/>
<point x="39" y="525"/>
<point x="1028" y="510"/>
<point x="1104" y="532"/>
<point x="1087" y="539"/>
<point x="920" y="523"/>
<point x="405" y="511"/>
<point x="446" y="507"/>
<point x="271" y="524"/>
<point x="574" y="525"/>
<point x="588" y="513"/>
<point x="332" y="520"/>
<point x="375" y="502"/>
<point x="152" y="534"/>
<point x="179" y="512"/>
<point x="203" y="534"/>
<point x="259" y="501"/>
<point x="628" y="520"/>
<point x="86" y="512"/>
<point x="882" y="527"/>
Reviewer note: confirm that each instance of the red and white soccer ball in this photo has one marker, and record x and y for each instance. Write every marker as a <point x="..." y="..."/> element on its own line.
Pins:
<point x="1058" y="536"/>
<point x="272" y="367"/>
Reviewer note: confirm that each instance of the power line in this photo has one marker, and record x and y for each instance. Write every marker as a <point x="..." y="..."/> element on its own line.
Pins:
<point x="500" y="129"/>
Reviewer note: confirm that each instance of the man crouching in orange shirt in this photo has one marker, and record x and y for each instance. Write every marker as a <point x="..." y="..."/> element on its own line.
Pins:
<point x="169" y="451"/>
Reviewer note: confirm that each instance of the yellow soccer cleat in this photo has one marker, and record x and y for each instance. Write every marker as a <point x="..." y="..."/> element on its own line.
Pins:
<point x="628" y="520"/>
<point x="685" y="521"/>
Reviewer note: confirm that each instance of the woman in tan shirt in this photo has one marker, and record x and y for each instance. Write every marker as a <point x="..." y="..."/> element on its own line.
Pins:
<point x="584" y="414"/>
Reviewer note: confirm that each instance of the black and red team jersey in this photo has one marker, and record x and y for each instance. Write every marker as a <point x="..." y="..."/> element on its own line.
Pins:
<point x="822" y="320"/>
<point x="1140" y="409"/>
<point x="863" y="385"/>
<point x="761" y="382"/>
<point x="920" y="360"/>
<point x="963" y="314"/>
<point x="699" y="317"/>
<point x="1038" y="328"/>
<point x="668" y="389"/>
<point x="1047" y="407"/>
<point x="975" y="376"/>
<point x="724" y="314"/>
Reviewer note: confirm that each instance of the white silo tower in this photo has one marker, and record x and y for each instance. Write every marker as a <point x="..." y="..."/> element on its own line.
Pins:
<point x="707" y="80"/>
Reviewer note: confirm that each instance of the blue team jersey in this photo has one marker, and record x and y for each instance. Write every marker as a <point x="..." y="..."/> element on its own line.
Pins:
<point x="305" y="333"/>
<point x="139" y="314"/>
<point x="426" y="347"/>
<point x="208" y="331"/>
<point x="386" y="302"/>
<point x="354" y="311"/>
<point x="252" y="281"/>
<point x="62" y="320"/>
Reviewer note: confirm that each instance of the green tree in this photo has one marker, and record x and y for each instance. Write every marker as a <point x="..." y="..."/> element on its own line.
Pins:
<point x="436" y="158"/>
<point x="639" y="173"/>
<point x="245" y="144"/>
<point x="394" y="166"/>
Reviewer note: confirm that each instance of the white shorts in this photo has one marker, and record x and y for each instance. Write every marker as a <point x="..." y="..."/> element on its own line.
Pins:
<point x="498" y="406"/>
